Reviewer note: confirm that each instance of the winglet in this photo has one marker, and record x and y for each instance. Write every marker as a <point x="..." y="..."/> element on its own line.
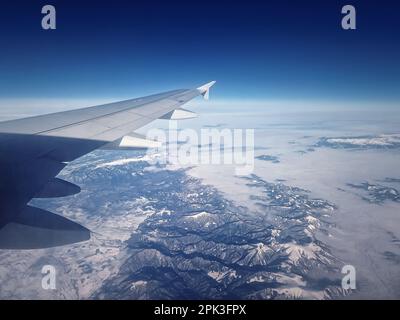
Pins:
<point x="205" y="89"/>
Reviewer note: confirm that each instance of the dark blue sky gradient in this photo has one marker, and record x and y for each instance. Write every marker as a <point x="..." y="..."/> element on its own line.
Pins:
<point x="255" y="50"/>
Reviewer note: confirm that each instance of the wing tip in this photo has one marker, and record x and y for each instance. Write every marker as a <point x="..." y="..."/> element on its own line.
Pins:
<point x="205" y="89"/>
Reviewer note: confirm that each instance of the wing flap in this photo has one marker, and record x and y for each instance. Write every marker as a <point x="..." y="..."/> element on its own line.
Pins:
<point x="179" y="114"/>
<point x="57" y="188"/>
<point x="35" y="228"/>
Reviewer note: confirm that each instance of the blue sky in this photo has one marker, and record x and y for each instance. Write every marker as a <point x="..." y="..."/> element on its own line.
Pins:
<point x="255" y="50"/>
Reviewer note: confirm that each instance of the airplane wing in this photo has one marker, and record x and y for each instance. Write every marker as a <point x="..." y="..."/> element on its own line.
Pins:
<point x="34" y="150"/>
